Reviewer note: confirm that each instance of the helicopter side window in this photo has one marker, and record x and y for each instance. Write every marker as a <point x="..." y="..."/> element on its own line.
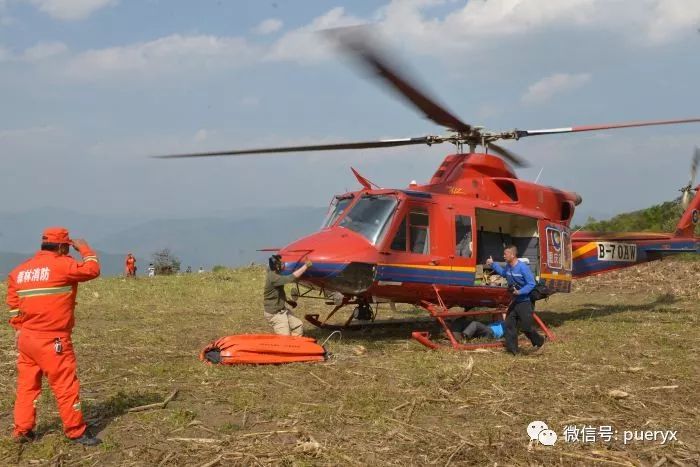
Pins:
<point x="399" y="241"/>
<point x="463" y="236"/>
<point x="419" y="234"/>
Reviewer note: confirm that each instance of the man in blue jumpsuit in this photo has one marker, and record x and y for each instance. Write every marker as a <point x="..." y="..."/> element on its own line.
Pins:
<point x="521" y="282"/>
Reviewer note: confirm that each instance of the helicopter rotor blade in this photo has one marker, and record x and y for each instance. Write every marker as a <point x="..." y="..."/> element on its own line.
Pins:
<point x="516" y="160"/>
<point x="314" y="147"/>
<point x="608" y="126"/>
<point x="354" y="41"/>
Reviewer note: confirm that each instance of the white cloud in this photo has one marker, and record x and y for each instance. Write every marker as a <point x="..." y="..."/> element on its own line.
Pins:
<point x="171" y="53"/>
<point x="305" y="44"/>
<point x="250" y="102"/>
<point x="201" y="135"/>
<point x="268" y="26"/>
<point x="475" y="28"/>
<point x="549" y="86"/>
<point x="641" y="22"/>
<point x="5" y="54"/>
<point x="69" y="10"/>
<point x="44" y="50"/>
<point x="672" y="18"/>
<point x="5" y="18"/>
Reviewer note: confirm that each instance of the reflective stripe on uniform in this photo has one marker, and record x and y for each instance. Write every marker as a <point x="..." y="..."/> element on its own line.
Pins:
<point x="45" y="291"/>
<point x="14" y="311"/>
<point x="91" y="258"/>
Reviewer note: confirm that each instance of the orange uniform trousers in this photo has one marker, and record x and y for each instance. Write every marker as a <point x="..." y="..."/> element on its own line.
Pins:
<point x="38" y="357"/>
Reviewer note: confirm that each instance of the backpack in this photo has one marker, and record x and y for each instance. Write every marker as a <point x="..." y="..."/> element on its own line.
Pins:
<point x="540" y="292"/>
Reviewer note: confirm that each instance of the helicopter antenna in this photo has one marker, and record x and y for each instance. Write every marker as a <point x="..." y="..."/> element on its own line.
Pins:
<point x="538" y="175"/>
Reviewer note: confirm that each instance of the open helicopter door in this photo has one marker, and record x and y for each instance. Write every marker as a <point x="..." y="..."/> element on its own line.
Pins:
<point x="555" y="256"/>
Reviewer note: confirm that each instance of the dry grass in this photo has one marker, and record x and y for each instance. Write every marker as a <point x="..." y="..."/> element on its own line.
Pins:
<point x="393" y="403"/>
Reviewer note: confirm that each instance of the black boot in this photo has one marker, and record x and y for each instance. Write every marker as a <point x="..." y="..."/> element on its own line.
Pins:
<point x="25" y="437"/>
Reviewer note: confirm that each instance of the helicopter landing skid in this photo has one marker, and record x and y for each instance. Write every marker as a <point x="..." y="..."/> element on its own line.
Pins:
<point x="440" y="313"/>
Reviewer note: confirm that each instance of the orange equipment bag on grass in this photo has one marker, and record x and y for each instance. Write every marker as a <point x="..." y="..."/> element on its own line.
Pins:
<point x="262" y="349"/>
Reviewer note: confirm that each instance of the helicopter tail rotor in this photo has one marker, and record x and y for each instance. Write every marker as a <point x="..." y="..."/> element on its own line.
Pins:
<point x="688" y="189"/>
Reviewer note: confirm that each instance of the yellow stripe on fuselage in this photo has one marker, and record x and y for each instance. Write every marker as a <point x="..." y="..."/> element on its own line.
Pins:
<point x="584" y="249"/>
<point x="433" y="268"/>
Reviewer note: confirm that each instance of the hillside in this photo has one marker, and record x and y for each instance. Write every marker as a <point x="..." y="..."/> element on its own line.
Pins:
<point x="626" y="357"/>
<point x="231" y="240"/>
<point x="660" y="217"/>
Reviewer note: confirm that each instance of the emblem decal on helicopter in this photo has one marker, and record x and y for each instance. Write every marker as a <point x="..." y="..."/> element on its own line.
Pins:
<point x="695" y="216"/>
<point x="617" y="252"/>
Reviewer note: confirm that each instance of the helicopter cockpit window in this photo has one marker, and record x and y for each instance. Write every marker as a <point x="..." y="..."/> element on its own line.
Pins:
<point x="336" y="209"/>
<point x="463" y="236"/>
<point x="369" y="216"/>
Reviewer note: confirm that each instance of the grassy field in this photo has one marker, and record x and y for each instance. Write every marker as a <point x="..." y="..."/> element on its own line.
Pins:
<point x="626" y="356"/>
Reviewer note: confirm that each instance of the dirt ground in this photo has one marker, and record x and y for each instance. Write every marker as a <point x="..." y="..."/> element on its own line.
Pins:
<point x="626" y="357"/>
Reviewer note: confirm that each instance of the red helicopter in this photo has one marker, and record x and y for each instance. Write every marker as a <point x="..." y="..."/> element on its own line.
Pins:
<point x="426" y="245"/>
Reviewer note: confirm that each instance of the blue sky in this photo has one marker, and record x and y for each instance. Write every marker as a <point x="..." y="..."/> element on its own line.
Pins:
<point x="89" y="88"/>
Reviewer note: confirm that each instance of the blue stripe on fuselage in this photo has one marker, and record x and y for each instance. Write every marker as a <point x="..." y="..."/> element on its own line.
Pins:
<point x="428" y="276"/>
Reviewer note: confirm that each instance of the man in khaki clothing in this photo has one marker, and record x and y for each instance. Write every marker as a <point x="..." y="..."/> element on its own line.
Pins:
<point x="282" y="320"/>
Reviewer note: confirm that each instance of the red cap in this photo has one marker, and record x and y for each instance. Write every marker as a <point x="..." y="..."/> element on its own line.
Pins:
<point x="55" y="235"/>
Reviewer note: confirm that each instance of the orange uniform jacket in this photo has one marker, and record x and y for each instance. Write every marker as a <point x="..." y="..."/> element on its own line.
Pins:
<point x="41" y="291"/>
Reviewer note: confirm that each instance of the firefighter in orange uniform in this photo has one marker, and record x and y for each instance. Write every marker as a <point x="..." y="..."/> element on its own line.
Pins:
<point x="41" y="294"/>
<point x="130" y="265"/>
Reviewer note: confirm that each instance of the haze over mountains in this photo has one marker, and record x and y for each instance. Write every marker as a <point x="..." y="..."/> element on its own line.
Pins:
<point x="231" y="239"/>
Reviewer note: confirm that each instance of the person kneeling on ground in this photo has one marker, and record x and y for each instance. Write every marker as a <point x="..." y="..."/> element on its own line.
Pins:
<point x="281" y="319"/>
<point x="476" y="329"/>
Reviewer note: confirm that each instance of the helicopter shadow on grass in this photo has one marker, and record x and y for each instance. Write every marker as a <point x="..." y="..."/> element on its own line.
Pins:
<point x="382" y="332"/>
<point x="552" y="319"/>
<point x="588" y="311"/>
<point x="99" y="415"/>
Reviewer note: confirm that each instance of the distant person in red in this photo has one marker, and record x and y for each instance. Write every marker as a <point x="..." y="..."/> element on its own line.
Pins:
<point x="41" y="294"/>
<point x="130" y="265"/>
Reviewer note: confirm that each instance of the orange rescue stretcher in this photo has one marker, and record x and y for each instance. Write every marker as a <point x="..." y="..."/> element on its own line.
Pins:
<point x="262" y="349"/>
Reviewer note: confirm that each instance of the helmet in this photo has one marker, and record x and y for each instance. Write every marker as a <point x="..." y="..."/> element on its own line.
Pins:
<point x="275" y="263"/>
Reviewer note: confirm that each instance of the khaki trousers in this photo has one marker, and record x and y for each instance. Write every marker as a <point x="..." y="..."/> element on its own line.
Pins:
<point x="285" y="323"/>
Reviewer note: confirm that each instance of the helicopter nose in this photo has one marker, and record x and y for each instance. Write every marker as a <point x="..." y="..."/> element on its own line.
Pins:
<point x="342" y="260"/>
<point x="335" y="245"/>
